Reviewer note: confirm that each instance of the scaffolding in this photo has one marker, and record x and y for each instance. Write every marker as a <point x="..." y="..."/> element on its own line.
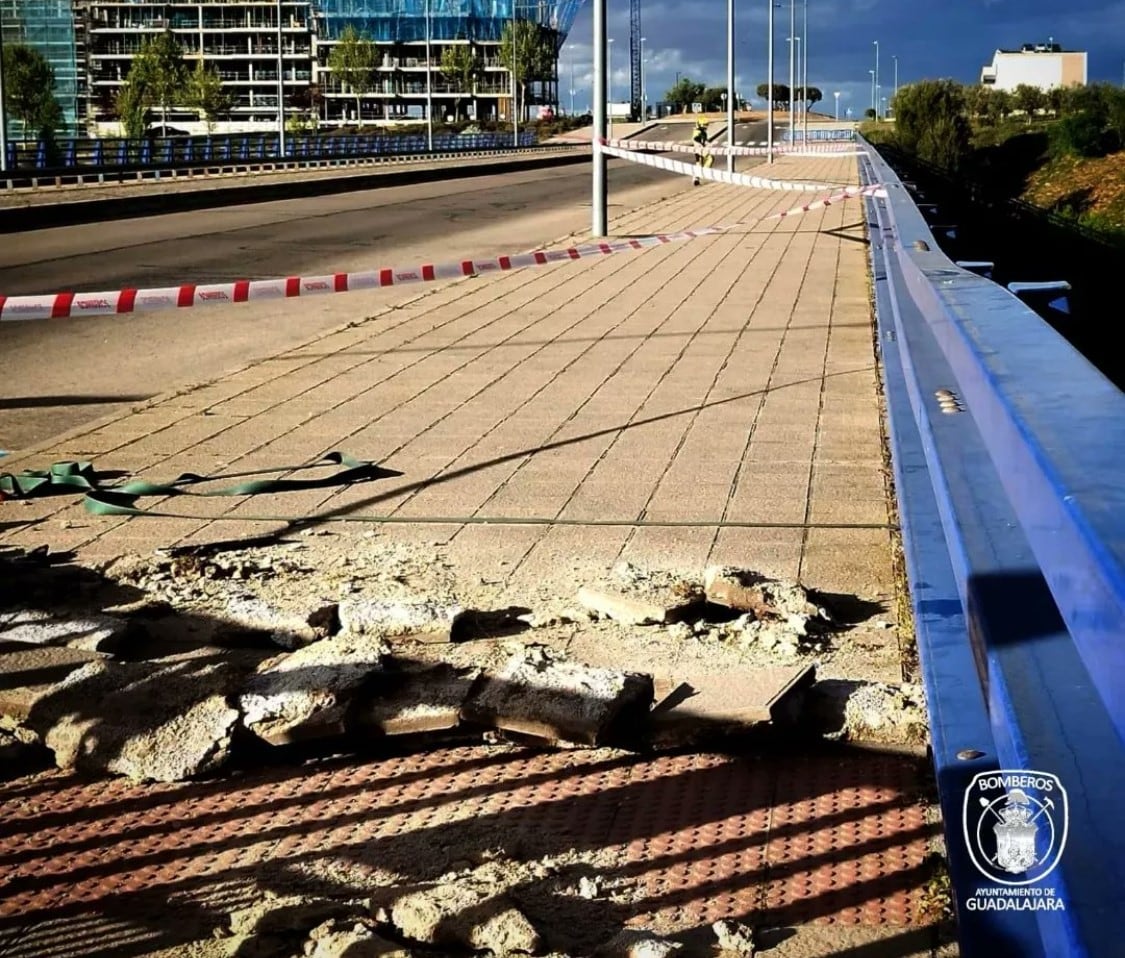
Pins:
<point x="47" y="26"/>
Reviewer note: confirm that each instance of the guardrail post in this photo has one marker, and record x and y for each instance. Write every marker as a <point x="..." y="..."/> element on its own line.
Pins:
<point x="41" y="156"/>
<point x="70" y="154"/>
<point x="169" y="147"/>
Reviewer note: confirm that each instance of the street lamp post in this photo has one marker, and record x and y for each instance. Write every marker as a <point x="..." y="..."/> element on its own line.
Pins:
<point x="792" y="63"/>
<point x="793" y="96"/>
<point x="571" y="79"/>
<point x="872" y="72"/>
<point x="515" y="85"/>
<point x="836" y="94"/>
<point x="895" y="58"/>
<point x="3" y="112"/>
<point x="730" y="84"/>
<point x="429" y="86"/>
<point x="280" y="90"/>
<point x="643" y="79"/>
<point x="805" y="75"/>
<point x="609" y="84"/>
<point x="599" y="206"/>
<point x="769" y="87"/>
<point x="876" y="103"/>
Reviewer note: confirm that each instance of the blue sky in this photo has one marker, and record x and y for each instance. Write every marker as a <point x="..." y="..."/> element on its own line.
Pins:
<point x="949" y="38"/>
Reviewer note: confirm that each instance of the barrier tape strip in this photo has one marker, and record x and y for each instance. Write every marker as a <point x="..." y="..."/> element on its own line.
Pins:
<point x="654" y="146"/>
<point x="717" y="176"/>
<point x="126" y="301"/>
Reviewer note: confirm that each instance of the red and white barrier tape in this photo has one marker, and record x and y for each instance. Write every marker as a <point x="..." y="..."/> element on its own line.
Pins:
<point x="717" y="176"/>
<point x="652" y="146"/>
<point x="64" y="305"/>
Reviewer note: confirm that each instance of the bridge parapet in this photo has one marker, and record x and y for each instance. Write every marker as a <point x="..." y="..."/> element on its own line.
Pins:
<point x="1009" y="450"/>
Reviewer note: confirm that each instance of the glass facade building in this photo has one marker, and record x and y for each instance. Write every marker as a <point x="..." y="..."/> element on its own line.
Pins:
<point x="49" y="27"/>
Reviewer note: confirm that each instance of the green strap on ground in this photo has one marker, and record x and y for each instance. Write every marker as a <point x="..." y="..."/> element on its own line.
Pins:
<point x="121" y="500"/>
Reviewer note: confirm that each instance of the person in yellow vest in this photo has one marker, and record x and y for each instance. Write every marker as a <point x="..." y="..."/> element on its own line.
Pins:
<point x="699" y="137"/>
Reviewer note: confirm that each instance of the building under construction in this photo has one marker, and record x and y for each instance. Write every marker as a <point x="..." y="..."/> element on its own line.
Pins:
<point x="92" y="43"/>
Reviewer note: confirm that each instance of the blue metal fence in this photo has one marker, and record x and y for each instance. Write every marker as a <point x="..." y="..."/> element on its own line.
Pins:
<point x="78" y="155"/>
<point x="1008" y="447"/>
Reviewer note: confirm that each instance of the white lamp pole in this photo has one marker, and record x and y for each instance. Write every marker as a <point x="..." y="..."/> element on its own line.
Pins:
<point x="599" y="205"/>
<point x="515" y="85"/>
<point x="730" y="83"/>
<point x="792" y="61"/>
<point x="876" y="97"/>
<point x="571" y="48"/>
<point x="280" y="90"/>
<point x="872" y="72"/>
<point x="3" y="113"/>
<point x="837" y="96"/>
<point x="609" y="86"/>
<point x="429" y="86"/>
<point x="643" y="79"/>
<point x="896" y="77"/>
<point x="769" y="87"/>
<point x="805" y="75"/>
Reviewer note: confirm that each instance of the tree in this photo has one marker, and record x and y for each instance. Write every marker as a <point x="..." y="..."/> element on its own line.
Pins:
<point x="976" y="99"/>
<point x="160" y="71"/>
<point x="930" y="122"/>
<point x="29" y="82"/>
<point x="1000" y="104"/>
<point x="812" y="95"/>
<point x="460" y="65"/>
<point x="527" y="52"/>
<point x="133" y="108"/>
<point x="1029" y="99"/>
<point x="780" y="94"/>
<point x="204" y="92"/>
<point x="685" y="93"/>
<point x="353" y="60"/>
<point x="712" y="97"/>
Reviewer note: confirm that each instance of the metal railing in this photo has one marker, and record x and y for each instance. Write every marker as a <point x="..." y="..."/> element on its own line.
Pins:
<point x="1008" y="450"/>
<point x="92" y="156"/>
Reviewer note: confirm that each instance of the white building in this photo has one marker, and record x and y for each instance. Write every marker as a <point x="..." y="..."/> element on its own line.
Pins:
<point x="1043" y="65"/>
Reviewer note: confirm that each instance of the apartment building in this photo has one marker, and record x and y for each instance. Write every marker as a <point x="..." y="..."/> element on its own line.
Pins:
<point x="1042" y="65"/>
<point x="49" y="27"/>
<point x="240" y="38"/>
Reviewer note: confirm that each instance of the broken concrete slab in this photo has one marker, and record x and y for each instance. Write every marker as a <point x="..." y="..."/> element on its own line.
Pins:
<point x="638" y="943"/>
<point x="287" y="629"/>
<point x="28" y="673"/>
<point x="467" y="912"/>
<point x="274" y="914"/>
<point x="306" y="694"/>
<point x="399" y="617"/>
<point x="540" y="694"/>
<point x="144" y="720"/>
<point x="734" y="938"/>
<point x="745" y="590"/>
<point x="422" y="699"/>
<point x="640" y="597"/>
<point x="698" y="703"/>
<point x="869" y="713"/>
<point x="91" y="632"/>
<point x="343" y="938"/>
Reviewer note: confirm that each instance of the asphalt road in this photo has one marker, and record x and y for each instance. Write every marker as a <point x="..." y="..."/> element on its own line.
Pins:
<point x="747" y="132"/>
<point x="55" y="375"/>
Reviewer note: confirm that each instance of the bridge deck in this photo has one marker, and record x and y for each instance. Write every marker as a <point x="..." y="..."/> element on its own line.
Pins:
<point x="717" y="399"/>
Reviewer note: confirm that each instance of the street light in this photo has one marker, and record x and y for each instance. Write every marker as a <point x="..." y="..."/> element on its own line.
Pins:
<point x="875" y="104"/>
<point x="872" y="72"/>
<point x="515" y="85"/>
<point x="280" y="92"/>
<point x="571" y="48"/>
<point x="429" y="85"/>
<point x="805" y="77"/>
<point x="643" y="79"/>
<point x="837" y="96"/>
<point x="792" y="63"/>
<point x="3" y="113"/>
<point x="729" y="95"/>
<point x="769" y="86"/>
<point x="599" y="207"/>
<point x="895" y="58"/>
<point x="793" y="96"/>
<point x="609" y="85"/>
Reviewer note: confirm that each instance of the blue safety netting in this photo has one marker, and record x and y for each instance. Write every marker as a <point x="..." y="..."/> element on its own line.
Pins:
<point x="392" y="21"/>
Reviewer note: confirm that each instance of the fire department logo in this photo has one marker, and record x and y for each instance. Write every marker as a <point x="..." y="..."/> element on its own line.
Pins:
<point x="1015" y="825"/>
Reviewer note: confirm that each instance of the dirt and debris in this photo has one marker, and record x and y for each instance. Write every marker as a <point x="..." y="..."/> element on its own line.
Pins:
<point x="734" y="939"/>
<point x="639" y="943"/>
<point x="636" y="596"/>
<point x="468" y="912"/>
<point x="539" y="693"/>
<point x="871" y="713"/>
<point x="352" y="938"/>
<point x="91" y="632"/>
<point x="422" y="698"/>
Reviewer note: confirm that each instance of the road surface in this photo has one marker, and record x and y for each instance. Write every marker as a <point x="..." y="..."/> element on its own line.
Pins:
<point x="57" y="375"/>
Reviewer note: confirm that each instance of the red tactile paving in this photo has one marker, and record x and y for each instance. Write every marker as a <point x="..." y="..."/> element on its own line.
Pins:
<point x="697" y="838"/>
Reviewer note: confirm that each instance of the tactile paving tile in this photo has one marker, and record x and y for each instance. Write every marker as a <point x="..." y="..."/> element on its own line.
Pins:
<point x="694" y="838"/>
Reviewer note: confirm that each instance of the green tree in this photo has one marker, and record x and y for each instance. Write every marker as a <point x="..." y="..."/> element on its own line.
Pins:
<point x="133" y="107"/>
<point x="780" y="94"/>
<point x="976" y="99"/>
<point x="29" y="82"/>
<point x="204" y="92"/>
<point x="527" y="52"/>
<point x="685" y="93"/>
<point x="1056" y="100"/>
<point x="353" y="60"/>
<point x="1000" y="104"/>
<point x="460" y="65"/>
<point x="1029" y="99"/>
<point x="712" y="98"/>
<point x="160" y="71"/>
<point x="930" y="122"/>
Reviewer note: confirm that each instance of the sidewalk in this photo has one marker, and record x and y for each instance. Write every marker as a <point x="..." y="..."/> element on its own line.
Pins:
<point x="721" y="383"/>
<point x="712" y="401"/>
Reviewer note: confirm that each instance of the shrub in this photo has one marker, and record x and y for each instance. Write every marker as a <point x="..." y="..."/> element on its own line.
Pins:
<point x="930" y="122"/>
<point x="1079" y="134"/>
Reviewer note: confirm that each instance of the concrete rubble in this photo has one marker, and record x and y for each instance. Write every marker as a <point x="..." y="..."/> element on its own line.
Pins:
<point x="467" y="912"/>
<point x="351" y="938"/>
<point x="638" y="597"/>
<point x="398" y="617"/>
<point x="287" y="629"/>
<point x="638" y="943"/>
<point x="541" y="694"/>
<point x="307" y="693"/>
<point x="734" y="939"/>
<point x="88" y="632"/>
<point x="869" y="713"/>
<point x="415" y="700"/>
<point x="167" y="722"/>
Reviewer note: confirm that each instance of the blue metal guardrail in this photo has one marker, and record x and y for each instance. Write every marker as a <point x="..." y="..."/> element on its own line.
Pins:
<point x="798" y="133"/>
<point x="76" y="155"/>
<point x="1009" y="452"/>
